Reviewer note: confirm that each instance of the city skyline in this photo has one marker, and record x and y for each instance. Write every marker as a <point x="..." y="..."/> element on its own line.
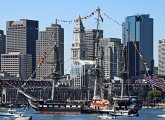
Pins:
<point x="46" y="13"/>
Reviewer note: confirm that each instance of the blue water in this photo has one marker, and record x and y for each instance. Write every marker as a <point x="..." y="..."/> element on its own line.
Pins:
<point x="145" y="114"/>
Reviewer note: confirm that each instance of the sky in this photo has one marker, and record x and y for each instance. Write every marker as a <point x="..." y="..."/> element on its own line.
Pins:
<point x="46" y="11"/>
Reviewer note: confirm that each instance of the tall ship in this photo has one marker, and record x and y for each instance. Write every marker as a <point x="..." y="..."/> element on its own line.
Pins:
<point x="98" y="104"/>
<point x="58" y="107"/>
<point x="51" y="106"/>
<point x="123" y="105"/>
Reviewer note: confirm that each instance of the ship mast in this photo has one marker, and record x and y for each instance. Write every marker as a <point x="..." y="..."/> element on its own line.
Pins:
<point x="55" y="76"/>
<point x="97" y="67"/>
<point x="123" y="72"/>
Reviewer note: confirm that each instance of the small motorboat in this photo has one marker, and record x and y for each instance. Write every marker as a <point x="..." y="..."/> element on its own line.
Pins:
<point x="14" y="115"/>
<point x="10" y="112"/>
<point x="20" y="116"/>
<point x="105" y="116"/>
<point x="161" y="116"/>
<point x="23" y="118"/>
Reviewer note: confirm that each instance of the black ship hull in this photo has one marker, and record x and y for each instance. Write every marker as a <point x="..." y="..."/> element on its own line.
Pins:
<point x="56" y="108"/>
<point x="94" y="111"/>
<point x="65" y="108"/>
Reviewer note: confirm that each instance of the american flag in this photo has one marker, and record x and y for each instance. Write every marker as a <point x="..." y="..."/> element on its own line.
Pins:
<point x="155" y="81"/>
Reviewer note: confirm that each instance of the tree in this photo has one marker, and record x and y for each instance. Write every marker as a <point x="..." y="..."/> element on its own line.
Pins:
<point x="153" y="94"/>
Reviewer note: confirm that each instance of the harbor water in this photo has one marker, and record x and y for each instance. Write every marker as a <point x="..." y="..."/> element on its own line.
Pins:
<point x="145" y="114"/>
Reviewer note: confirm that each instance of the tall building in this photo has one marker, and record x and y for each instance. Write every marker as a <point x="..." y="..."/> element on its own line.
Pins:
<point x="140" y="29"/>
<point x="52" y="36"/>
<point x="16" y="63"/>
<point x="78" y="52"/>
<point x="21" y="37"/>
<point x="90" y="40"/>
<point x="2" y="45"/>
<point x="111" y="48"/>
<point x="161" y="58"/>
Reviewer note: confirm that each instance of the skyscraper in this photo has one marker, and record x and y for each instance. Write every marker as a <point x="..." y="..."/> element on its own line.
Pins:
<point x="161" y="58"/>
<point x="111" y="48"/>
<point x="140" y="29"/>
<point x="2" y="45"/>
<point x="52" y="36"/>
<point x="90" y="40"/>
<point x="21" y="37"/>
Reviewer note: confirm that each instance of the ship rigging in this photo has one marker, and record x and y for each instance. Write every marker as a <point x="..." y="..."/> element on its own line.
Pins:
<point x="98" y="103"/>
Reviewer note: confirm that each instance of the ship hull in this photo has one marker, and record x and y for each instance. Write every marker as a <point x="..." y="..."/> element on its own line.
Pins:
<point x="57" y="108"/>
<point x="94" y="111"/>
<point x="59" y="112"/>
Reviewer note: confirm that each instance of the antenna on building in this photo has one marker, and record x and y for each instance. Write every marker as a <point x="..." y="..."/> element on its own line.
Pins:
<point x="56" y="21"/>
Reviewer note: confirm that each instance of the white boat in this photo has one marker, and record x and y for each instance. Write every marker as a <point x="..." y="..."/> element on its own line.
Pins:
<point x="105" y="116"/>
<point x="120" y="113"/>
<point x="144" y="107"/>
<point x="20" y="116"/>
<point x="161" y="116"/>
<point x="23" y="118"/>
<point x="10" y="112"/>
<point x="126" y="106"/>
<point x="14" y="115"/>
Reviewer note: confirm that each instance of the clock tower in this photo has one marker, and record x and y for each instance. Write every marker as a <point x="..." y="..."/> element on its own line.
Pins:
<point x="78" y="46"/>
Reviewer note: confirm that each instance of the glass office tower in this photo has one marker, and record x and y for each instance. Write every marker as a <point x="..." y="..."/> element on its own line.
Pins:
<point x="140" y="28"/>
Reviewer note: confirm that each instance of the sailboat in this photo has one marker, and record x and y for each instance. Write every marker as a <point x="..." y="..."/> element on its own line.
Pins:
<point x="125" y="105"/>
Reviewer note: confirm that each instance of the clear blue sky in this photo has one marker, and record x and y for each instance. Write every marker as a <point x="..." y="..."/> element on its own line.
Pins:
<point x="46" y="11"/>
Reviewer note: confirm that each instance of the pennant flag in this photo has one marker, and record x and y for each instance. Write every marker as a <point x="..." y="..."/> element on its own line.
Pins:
<point x="101" y="18"/>
<point x="135" y="45"/>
